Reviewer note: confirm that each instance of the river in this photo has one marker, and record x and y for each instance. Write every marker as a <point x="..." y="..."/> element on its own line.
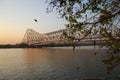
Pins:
<point x="53" y="64"/>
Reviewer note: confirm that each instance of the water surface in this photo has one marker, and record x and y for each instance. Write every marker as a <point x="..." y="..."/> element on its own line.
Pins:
<point x="53" y="64"/>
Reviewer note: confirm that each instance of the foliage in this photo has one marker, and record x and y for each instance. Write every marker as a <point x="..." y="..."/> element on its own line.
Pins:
<point x="93" y="17"/>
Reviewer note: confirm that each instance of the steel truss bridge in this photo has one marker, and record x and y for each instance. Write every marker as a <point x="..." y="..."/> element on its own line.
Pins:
<point x="32" y="37"/>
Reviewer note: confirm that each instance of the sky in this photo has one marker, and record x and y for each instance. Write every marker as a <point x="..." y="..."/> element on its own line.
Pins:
<point x="18" y="15"/>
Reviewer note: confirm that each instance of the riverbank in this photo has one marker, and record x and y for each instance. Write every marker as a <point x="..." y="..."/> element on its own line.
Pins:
<point x="45" y="45"/>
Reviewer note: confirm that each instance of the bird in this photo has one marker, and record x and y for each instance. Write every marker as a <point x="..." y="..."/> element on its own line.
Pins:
<point x="35" y="20"/>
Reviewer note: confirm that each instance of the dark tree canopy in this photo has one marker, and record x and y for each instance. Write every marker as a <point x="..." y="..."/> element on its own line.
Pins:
<point x="93" y="17"/>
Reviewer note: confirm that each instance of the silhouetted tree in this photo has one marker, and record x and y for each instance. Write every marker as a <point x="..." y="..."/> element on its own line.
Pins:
<point x="105" y="13"/>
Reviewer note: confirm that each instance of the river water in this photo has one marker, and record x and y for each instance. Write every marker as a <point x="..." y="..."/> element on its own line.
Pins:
<point x="53" y="64"/>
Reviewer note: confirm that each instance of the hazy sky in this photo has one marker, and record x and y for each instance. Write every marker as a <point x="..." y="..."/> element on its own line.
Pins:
<point x="18" y="15"/>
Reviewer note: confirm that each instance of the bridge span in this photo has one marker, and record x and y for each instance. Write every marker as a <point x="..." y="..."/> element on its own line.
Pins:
<point x="32" y="37"/>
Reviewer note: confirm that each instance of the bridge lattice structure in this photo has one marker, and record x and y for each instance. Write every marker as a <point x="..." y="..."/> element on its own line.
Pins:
<point x="32" y="37"/>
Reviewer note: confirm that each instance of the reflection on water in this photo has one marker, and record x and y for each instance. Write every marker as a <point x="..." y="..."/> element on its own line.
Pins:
<point x="51" y="64"/>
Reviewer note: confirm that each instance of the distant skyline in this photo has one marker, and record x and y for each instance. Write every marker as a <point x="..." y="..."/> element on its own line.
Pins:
<point x="18" y="15"/>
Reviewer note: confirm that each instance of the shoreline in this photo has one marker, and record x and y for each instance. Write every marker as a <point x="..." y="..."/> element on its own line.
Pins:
<point x="46" y="46"/>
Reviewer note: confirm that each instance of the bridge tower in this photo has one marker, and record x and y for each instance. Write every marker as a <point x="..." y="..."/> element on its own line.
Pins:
<point x="31" y="37"/>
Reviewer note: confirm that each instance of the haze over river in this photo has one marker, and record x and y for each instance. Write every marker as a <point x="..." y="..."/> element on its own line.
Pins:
<point x="53" y="64"/>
